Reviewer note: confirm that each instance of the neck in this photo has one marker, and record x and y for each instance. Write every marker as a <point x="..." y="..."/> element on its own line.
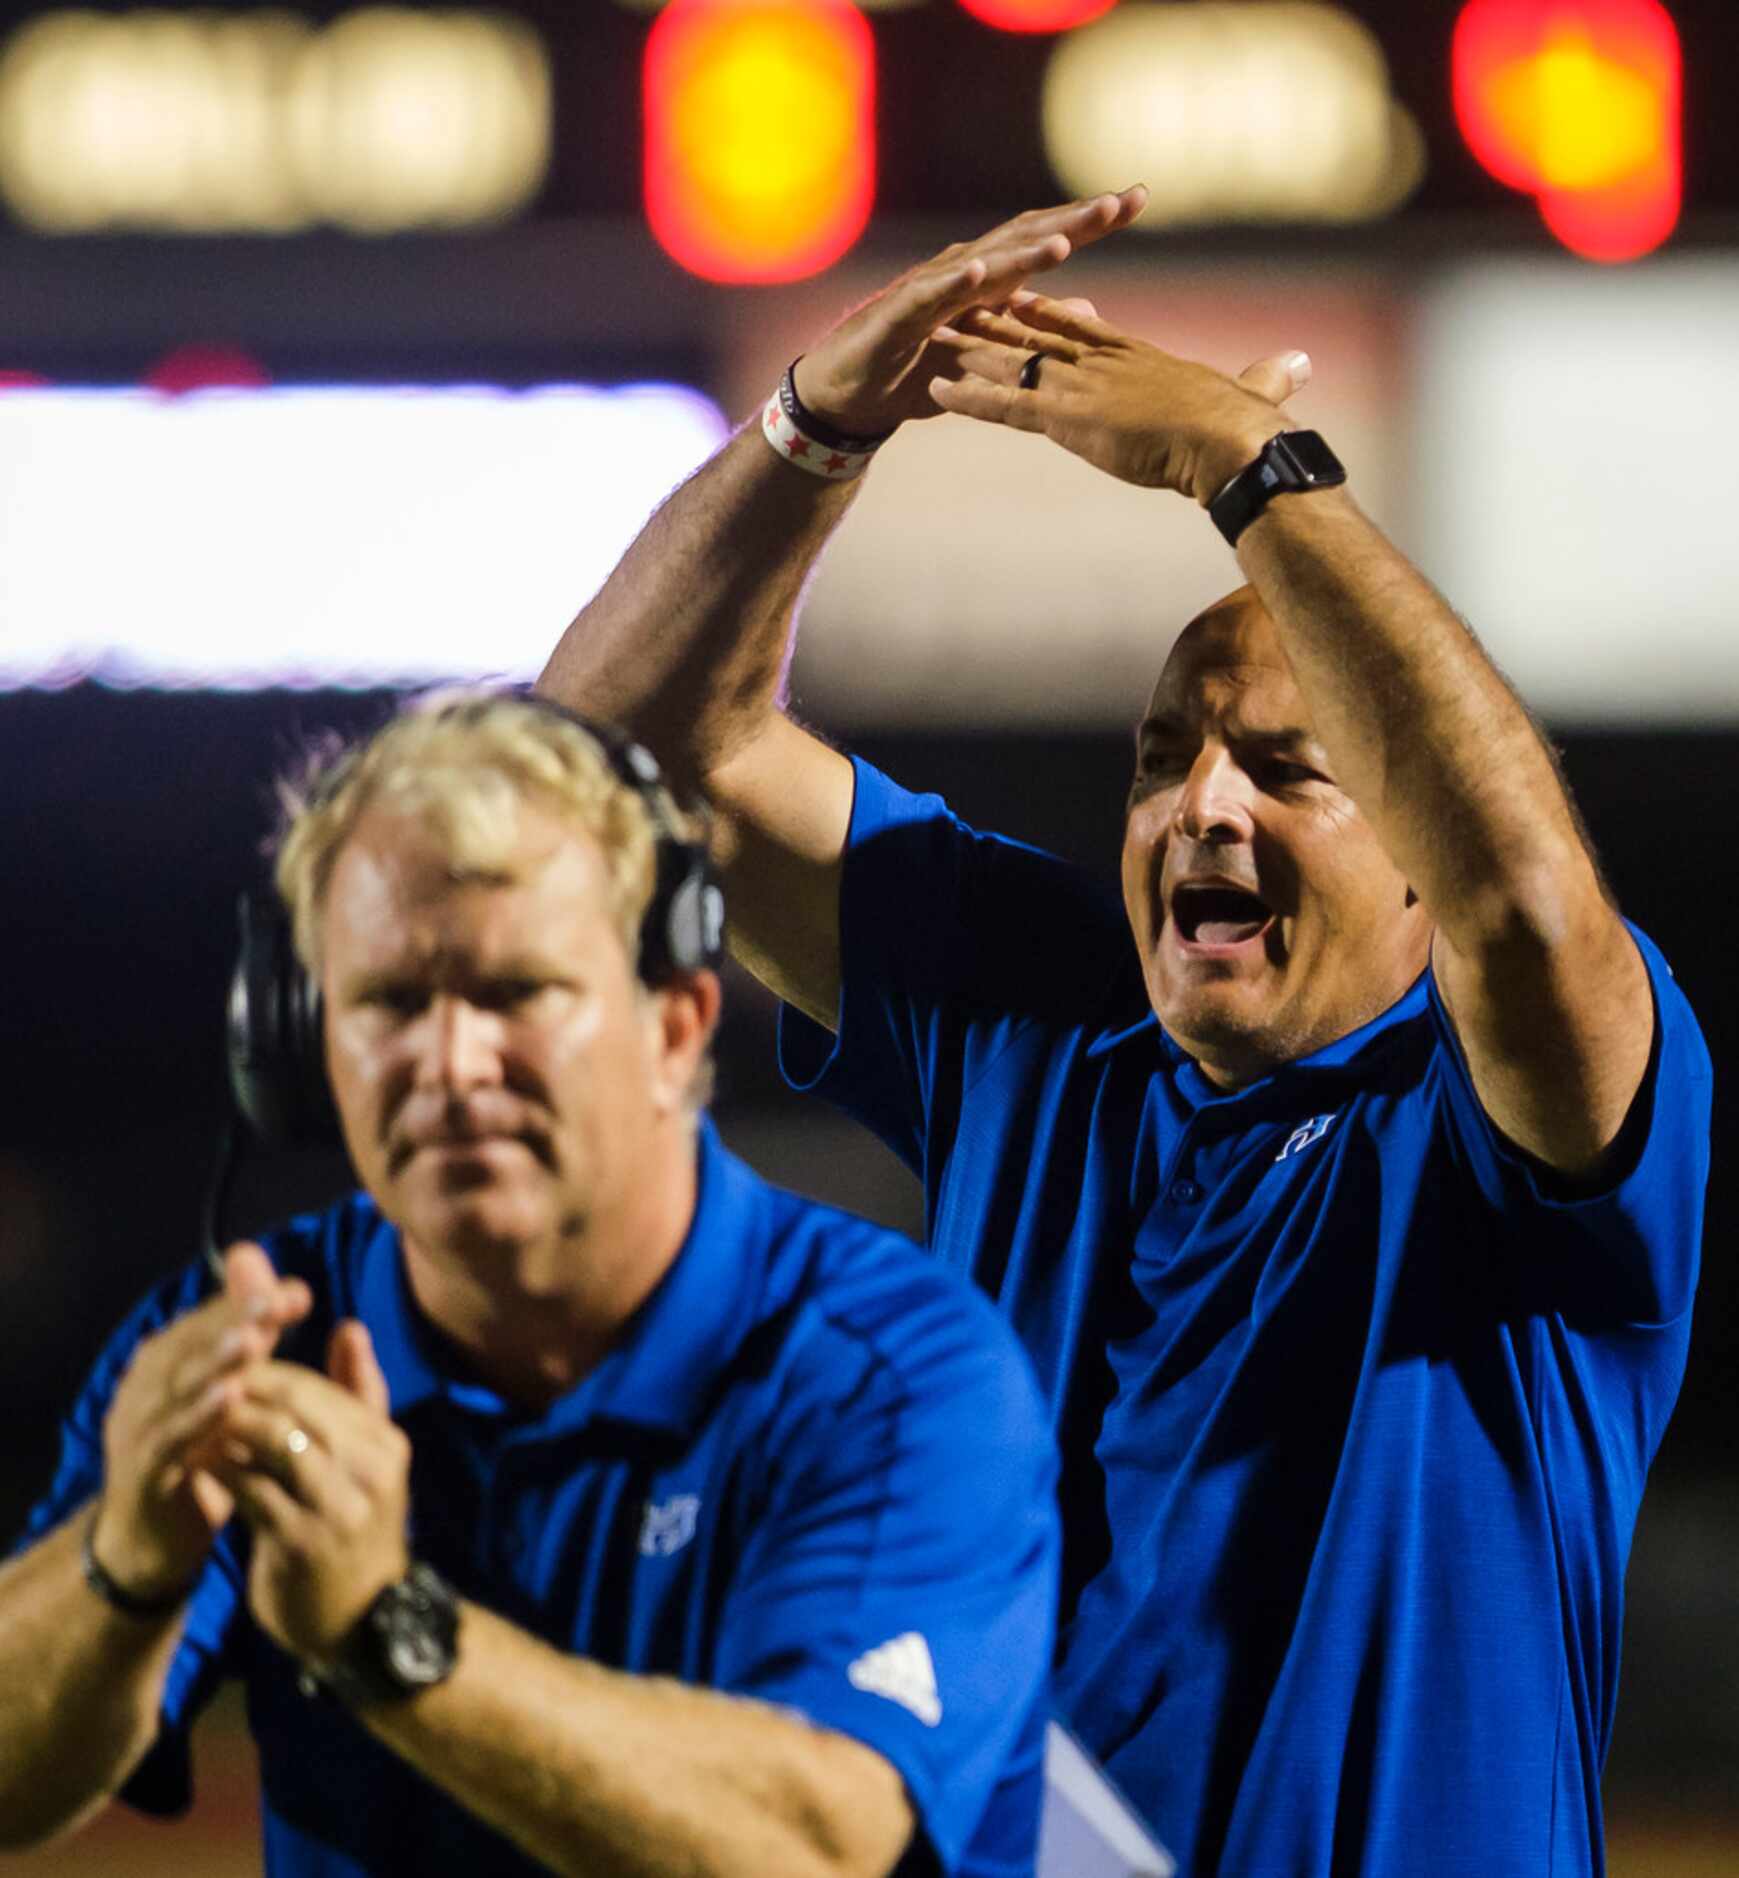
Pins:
<point x="531" y="1318"/>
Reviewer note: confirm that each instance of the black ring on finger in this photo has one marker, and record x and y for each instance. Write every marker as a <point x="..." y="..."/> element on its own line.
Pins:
<point x="1029" y="372"/>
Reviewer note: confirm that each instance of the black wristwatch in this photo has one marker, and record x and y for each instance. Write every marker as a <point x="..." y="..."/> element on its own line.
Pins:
<point x="1296" y="459"/>
<point x="407" y="1640"/>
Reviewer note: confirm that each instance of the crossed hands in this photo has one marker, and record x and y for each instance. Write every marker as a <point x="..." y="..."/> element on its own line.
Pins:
<point x="956" y="333"/>
<point x="206" y="1425"/>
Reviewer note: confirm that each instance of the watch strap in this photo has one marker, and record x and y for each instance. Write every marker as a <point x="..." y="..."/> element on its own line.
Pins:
<point x="1293" y="460"/>
<point x="406" y="1641"/>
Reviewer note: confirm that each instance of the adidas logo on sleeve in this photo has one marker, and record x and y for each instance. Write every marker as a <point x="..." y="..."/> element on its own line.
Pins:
<point x="902" y="1671"/>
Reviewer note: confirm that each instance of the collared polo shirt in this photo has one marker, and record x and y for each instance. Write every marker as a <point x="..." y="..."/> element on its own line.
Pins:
<point x="814" y="1470"/>
<point x="1355" y="1405"/>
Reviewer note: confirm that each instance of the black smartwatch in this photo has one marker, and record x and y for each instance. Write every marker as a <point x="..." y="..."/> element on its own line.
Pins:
<point x="1296" y="459"/>
<point x="407" y="1640"/>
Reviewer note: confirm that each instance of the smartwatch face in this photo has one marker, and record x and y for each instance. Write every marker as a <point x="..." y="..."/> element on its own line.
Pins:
<point x="1314" y="461"/>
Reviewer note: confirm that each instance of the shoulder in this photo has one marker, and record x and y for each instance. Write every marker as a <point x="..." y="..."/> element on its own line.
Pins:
<point x="1004" y="924"/>
<point x="875" y="1321"/>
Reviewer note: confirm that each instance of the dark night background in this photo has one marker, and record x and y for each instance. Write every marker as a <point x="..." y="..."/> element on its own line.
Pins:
<point x="129" y="820"/>
<point x="132" y="818"/>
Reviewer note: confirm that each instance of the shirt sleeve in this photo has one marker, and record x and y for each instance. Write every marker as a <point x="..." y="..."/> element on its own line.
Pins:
<point x="900" y="1585"/>
<point x="162" y="1783"/>
<point x="1627" y="1248"/>
<point x="951" y="943"/>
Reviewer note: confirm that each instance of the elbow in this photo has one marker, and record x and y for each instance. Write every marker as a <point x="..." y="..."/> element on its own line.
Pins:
<point x="1536" y="916"/>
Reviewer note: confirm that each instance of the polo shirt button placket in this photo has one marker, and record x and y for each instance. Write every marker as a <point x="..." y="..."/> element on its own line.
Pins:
<point x="1184" y="1192"/>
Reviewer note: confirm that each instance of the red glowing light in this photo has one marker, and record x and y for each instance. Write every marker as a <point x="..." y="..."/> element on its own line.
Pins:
<point x="23" y="381"/>
<point x="206" y="368"/>
<point x="1036" y="16"/>
<point x="1577" y="102"/>
<point x="760" y="149"/>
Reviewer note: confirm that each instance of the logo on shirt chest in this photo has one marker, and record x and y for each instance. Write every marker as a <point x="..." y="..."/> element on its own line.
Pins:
<point x="667" y="1525"/>
<point x="1306" y="1135"/>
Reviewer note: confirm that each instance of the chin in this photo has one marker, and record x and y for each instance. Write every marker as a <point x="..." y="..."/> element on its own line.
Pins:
<point x="487" y="1222"/>
<point x="1223" y="1010"/>
<point x="1229" y="1026"/>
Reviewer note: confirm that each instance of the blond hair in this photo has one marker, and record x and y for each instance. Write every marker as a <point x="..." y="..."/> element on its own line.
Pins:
<point x="464" y="762"/>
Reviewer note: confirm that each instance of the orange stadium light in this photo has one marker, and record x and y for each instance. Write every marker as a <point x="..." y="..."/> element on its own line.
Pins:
<point x="1036" y="16"/>
<point x="760" y="153"/>
<point x="1578" y="103"/>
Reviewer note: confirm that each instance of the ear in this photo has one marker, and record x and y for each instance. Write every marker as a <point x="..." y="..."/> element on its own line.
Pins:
<point x="684" y="1015"/>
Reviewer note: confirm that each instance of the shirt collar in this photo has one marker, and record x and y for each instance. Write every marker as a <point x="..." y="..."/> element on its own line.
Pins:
<point x="663" y="1367"/>
<point x="1344" y="1053"/>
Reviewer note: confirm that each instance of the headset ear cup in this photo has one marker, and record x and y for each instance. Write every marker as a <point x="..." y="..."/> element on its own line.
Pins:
<point x="687" y="947"/>
<point x="683" y="930"/>
<point x="277" y="1067"/>
<point x="696" y="920"/>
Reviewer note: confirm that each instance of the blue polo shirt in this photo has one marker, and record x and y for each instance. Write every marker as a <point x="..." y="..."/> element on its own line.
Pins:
<point x="814" y="1471"/>
<point x="1355" y="1405"/>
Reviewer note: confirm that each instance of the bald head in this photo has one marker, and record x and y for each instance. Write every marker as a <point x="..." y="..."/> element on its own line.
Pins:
<point x="1235" y="634"/>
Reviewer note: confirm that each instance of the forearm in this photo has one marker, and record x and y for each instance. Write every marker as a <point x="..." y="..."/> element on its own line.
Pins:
<point x="80" y="1688"/>
<point x="686" y="643"/>
<point x="621" y="1776"/>
<point x="1423" y="732"/>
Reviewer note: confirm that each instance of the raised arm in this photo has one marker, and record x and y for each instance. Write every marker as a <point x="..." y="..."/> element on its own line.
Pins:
<point x="688" y="640"/>
<point x="1547" y="992"/>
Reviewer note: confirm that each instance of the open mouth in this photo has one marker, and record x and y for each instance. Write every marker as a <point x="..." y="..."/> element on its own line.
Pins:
<point x="1210" y="914"/>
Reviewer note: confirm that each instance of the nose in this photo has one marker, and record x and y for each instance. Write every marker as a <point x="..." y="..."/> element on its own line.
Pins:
<point x="1213" y="806"/>
<point x="460" y="1048"/>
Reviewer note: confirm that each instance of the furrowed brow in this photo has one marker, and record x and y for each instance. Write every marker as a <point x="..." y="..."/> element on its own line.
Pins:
<point x="1161" y="728"/>
<point x="1289" y="737"/>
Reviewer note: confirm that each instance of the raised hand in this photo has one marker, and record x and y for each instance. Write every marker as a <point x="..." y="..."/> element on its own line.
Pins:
<point x="161" y="1507"/>
<point x="321" y="1474"/>
<point x="1122" y="404"/>
<point x="874" y="369"/>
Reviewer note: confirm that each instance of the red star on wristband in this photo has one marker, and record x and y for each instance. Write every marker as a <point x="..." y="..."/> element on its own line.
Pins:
<point x="835" y="463"/>
<point x="798" y="446"/>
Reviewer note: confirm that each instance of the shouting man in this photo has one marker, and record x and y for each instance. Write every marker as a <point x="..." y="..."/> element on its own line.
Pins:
<point x="1345" y="1183"/>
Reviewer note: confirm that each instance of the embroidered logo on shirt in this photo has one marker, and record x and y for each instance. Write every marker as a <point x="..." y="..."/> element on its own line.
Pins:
<point x="1302" y="1137"/>
<point x="668" y="1524"/>
<point x="903" y="1672"/>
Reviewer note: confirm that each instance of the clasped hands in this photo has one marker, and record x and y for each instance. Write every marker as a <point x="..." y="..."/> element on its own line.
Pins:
<point x="956" y="332"/>
<point x="207" y="1424"/>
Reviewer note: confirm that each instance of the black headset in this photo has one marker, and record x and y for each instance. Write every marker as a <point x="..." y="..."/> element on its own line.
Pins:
<point x="277" y="1053"/>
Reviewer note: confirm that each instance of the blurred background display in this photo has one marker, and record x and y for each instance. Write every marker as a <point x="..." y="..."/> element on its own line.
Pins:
<point x="344" y="349"/>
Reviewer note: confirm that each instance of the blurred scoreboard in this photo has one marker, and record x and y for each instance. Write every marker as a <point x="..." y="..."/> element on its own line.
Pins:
<point x="758" y="140"/>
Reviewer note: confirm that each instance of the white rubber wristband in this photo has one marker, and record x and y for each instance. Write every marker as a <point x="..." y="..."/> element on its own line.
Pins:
<point x="834" y="466"/>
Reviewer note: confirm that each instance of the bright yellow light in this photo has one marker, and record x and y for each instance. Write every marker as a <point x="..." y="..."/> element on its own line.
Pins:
<point x="863" y="6"/>
<point x="207" y="122"/>
<point x="759" y="158"/>
<point x="1263" y="110"/>
<point x="1590" y="120"/>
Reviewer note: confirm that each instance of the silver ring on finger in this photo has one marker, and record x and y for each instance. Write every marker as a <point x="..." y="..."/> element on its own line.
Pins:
<point x="295" y="1443"/>
<point x="1029" y="372"/>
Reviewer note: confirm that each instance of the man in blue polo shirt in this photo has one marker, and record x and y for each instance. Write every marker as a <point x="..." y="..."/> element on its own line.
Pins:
<point x="570" y="1498"/>
<point x="1351" y="1213"/>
